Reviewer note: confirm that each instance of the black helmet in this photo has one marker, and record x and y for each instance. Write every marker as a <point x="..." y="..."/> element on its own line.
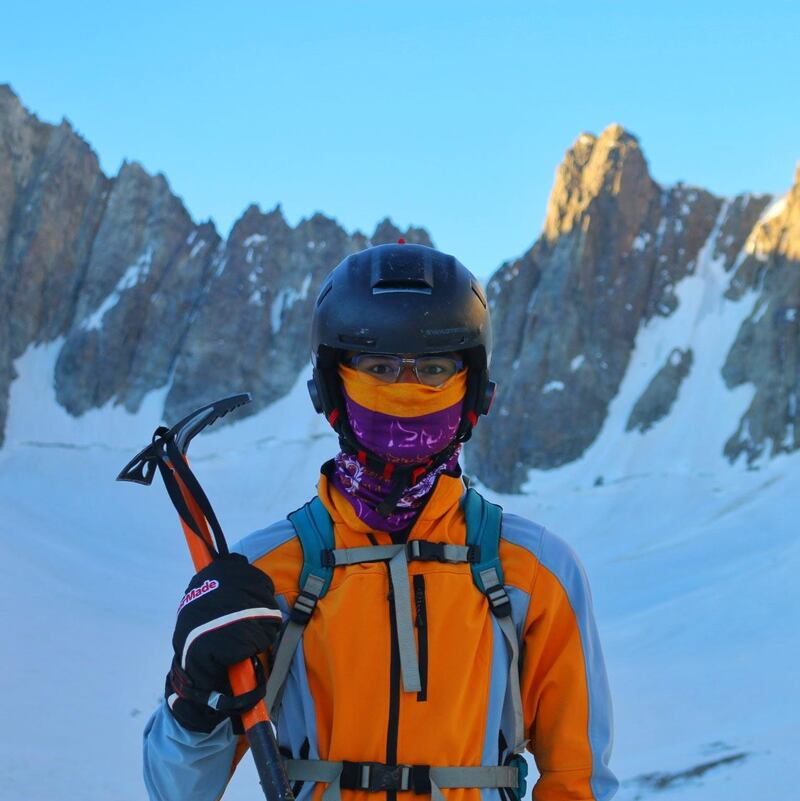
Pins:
<point x="400" y="299"/>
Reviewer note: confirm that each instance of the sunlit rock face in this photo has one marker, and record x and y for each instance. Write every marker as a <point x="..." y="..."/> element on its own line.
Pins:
<point x="567" y="313"/>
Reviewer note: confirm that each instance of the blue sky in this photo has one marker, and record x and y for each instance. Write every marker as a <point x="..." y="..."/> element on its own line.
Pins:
<point x="451" y="115"/>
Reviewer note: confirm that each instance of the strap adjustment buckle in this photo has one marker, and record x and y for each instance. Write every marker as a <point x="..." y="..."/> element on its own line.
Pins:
<point x="495" y="592"/>
<point x="426" y="551"/>
<point x="499" y="601"/>
<point x="376" y="777"/>
<point x="303" y="607"/>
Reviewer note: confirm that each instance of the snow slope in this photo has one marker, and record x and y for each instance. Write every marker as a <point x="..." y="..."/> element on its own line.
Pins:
<point x="690" y="561"/>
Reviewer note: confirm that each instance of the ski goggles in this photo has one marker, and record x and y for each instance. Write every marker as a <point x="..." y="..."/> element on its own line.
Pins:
<point x="432" y="370"/>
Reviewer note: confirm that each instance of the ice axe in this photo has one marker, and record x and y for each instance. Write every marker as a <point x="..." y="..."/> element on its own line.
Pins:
<point x="206" y="541"/>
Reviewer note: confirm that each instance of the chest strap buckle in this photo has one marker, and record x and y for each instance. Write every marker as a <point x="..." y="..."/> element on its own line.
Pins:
<point x="426" y="551"/>
<point x="375" y="777"/>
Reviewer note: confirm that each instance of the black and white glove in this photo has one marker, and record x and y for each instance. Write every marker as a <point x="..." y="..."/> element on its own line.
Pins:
<point x="227" y="615"/>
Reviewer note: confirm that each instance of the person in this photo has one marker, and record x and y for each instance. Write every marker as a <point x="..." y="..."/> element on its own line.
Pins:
<point x="427" y="637"/>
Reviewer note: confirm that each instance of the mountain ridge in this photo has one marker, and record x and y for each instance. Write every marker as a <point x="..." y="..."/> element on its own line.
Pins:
<point x="145" y="297"/>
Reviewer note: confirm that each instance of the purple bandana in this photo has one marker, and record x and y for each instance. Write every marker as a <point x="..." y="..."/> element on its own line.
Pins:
<point x="402" y="440"/>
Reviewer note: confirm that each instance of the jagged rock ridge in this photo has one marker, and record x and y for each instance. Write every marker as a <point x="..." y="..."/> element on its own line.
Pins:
<point x="614" y="247"/>
<point x="766" y="353"/>
<point x="142" y="295"/>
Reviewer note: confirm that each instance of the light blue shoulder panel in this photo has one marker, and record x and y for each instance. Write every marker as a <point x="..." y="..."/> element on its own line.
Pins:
<point x="181" y="764"/>
<point x="556" y="556"/>
<point x="524" y="533"/>
<point x="261" y="542"/>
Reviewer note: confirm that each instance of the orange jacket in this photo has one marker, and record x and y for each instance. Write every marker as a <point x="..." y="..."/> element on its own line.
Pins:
<point x="343" y="700"/>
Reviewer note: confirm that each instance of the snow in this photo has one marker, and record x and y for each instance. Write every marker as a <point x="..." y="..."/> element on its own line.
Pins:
<point x="661" y="230"/>
<point x="641" y="241"/>
<point x="552" y="386"/>
<point x="35" y="417"/>
<point x="135" y="274"/>
<point x="577" y="362"/>
<point x="285" y="299"/>
<point x="693" y="565"/>
<point x="98" y="568"/>
<point x="198" y="246"/>
<point x="221" y="264"/>
<point x="754" y="243"/>
<point x="774" y="209"/>
<point x="254" y="240"/>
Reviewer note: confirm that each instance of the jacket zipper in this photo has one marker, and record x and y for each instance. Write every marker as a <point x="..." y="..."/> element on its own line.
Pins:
<point x="422" y="635"/>
<point x="394" y="691"/>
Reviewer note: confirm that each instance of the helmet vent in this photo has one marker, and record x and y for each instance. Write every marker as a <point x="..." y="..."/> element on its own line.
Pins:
<point x="449" y="337"/>
<point x="324" y="292"/>
<point x="420" y="287"/>
<point x="388" y="275"/>
<point x="478" y="292"/>
<point x="353" y="339"/>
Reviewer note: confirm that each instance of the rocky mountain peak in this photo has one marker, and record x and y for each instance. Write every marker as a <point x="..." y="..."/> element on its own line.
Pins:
<point x="11" y="105"/>
<point x="610" y="165"/>
<point x="386" y="232"/>
<point x="791" y="245"/>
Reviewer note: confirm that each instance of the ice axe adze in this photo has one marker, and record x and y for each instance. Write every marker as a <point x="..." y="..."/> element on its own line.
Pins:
<point x="167" y="452"/>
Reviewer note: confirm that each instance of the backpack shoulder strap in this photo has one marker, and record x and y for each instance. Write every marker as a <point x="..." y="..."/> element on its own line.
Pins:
<point x="483" y="531"/>
<point x="314" y="529"/>
<point x="484" y="520"/>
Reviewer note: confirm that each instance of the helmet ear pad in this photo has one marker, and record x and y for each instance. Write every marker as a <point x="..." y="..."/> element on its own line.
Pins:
<point x="325" y="389"/>
<point x="480" y="392"/>
<point x="488" y="397"/>
<point x="314" y="393"/>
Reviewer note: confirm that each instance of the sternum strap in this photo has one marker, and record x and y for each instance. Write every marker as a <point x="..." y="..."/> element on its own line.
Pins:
<point x="376" y="777"/>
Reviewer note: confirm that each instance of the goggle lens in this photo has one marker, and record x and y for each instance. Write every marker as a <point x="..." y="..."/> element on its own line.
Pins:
<point x="430" y="370"/>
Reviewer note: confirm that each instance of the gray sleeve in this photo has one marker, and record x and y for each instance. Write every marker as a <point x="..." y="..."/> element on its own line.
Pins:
<point x="181" y="764"/>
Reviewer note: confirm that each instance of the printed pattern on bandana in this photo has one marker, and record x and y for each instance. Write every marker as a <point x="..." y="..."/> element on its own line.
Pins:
<point x="405" y="440"/>
<point x="365" y="489"/>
